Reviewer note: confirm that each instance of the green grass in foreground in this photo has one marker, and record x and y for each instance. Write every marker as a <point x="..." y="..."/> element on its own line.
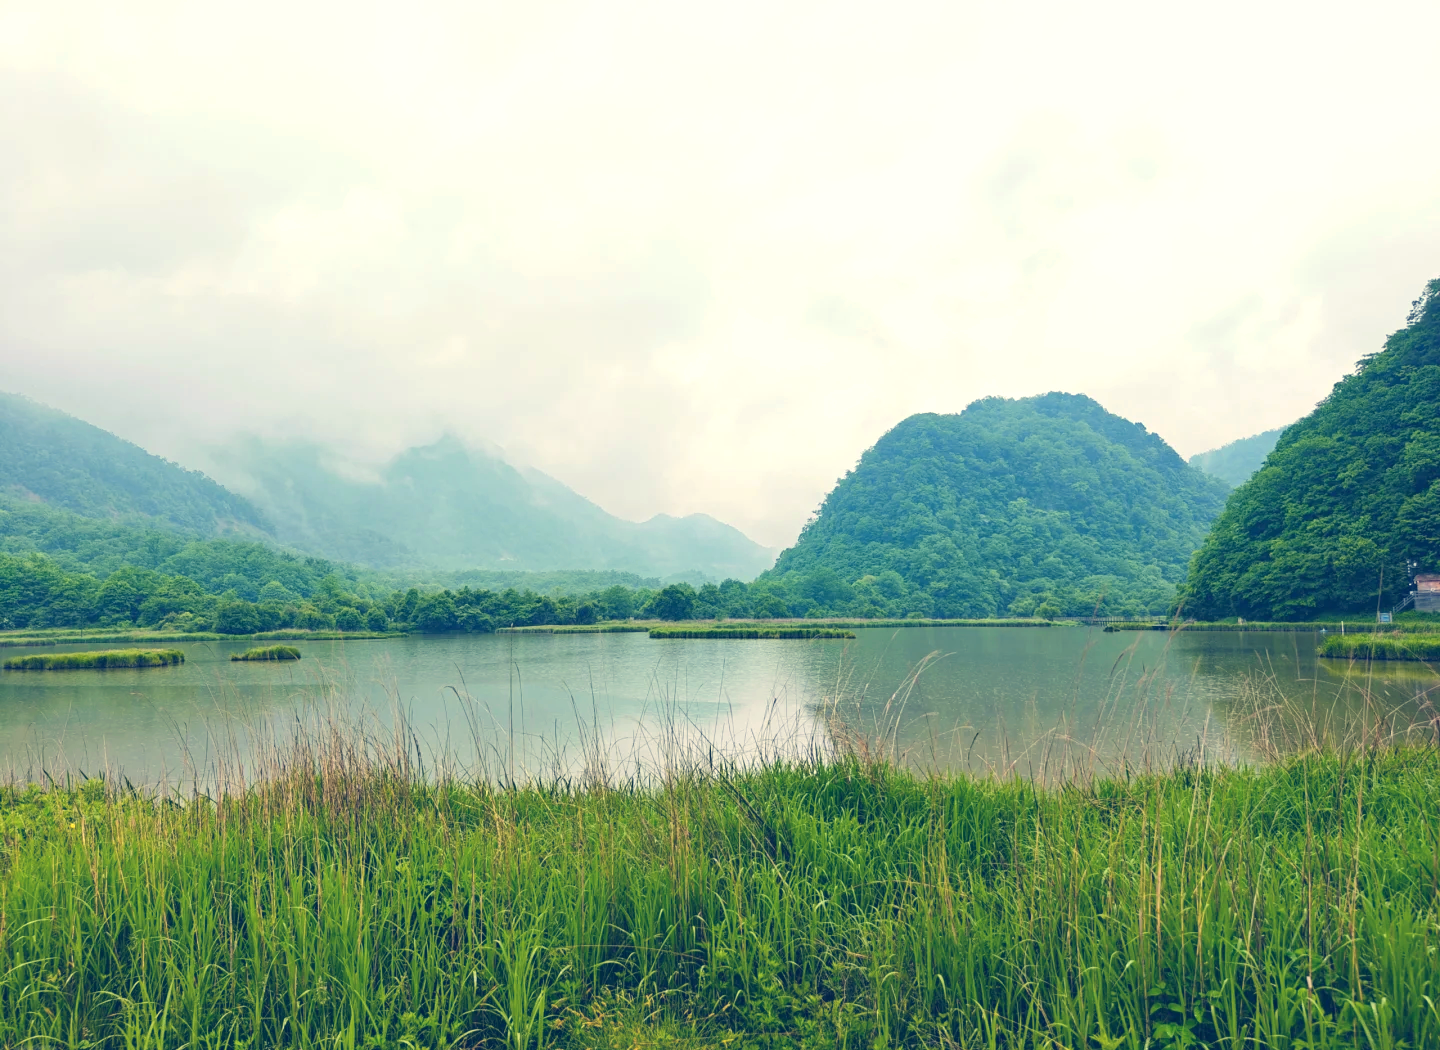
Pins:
<point x="342" y="903"/>
<point x="750" y="632"/>
<point x="1382" y="647"/>
<point x="103" y="659"/>
<point x="268" y="652"/>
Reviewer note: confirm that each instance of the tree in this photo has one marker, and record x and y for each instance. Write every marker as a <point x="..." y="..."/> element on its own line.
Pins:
<point x="237" y="617"/>
<point x="348" y="619"/>
<point x="435" y="613"/>
<point x="675" y="602"/>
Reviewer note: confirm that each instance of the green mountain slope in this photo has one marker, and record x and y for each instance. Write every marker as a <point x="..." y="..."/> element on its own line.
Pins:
<point x="452" y="506"/>
<point x="52" y="458"/>
<point x="1236" y="462"/>
<point x="1350" y="491"/>
<point x="1048" y="502"/>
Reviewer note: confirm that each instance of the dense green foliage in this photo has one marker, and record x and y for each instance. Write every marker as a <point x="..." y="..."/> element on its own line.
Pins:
<point x="94" y="660"/>
<point x="1382" y="647"/>
<point x="453" y="506"/>
<point x="1047" y="505"/>
<point x="57" y="459"/>
<point x="1236" y="462"/>
<point x="752" y="632"/>
<point x="1350" y="493"/>
<point x="785" y="906"/>
<point x="268" y="652"/>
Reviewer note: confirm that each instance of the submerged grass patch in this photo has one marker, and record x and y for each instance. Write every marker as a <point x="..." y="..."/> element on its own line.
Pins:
<point x="103" y="659"/>
<point x="828" y="903"/>
<point x="751" y="632"/>
<point x="1382" y="647"/>
<point x="268" y="652"/>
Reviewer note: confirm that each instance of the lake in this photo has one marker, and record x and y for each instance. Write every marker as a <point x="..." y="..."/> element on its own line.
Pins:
<point x="1038" y="701"/>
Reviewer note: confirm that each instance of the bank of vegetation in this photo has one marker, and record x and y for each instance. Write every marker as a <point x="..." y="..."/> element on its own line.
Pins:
<point x="108" y="658"/>
<point x="268" y="652"/>
<point x="823" y="903"/>
<point x="1362" y="626"/>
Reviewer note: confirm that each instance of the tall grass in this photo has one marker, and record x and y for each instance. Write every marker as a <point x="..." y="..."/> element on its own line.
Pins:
<point x="102" y="659"/>
<point x="333" y="895"/>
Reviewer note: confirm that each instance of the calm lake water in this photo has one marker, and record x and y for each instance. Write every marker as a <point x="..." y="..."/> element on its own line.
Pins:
<point x="1036" y="701"/>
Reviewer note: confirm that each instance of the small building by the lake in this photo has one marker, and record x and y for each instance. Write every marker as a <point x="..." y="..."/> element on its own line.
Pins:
<point x="1426" y="593"/>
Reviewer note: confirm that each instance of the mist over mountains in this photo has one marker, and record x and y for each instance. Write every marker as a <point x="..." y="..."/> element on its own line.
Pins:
<point x="443" y="505"/>
<point x="454" y="506"/>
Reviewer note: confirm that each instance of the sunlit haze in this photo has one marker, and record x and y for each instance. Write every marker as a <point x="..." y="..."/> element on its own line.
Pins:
<point x="694" y="257"/>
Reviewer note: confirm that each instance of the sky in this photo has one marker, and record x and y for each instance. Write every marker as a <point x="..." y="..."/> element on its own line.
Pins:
<point x="699" y="257"/>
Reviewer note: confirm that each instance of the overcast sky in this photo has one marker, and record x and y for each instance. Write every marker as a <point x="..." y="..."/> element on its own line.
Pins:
<point x="691" y="257"/>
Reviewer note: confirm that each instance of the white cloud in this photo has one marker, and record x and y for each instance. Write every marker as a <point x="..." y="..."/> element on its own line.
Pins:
<point x="699" y="257"/>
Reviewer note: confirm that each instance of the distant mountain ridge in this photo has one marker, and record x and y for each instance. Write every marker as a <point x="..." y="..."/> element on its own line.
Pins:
<point x="1045" y="503"/>
<point x="52" y="458"/>
<point x="1235" y="462"/>
<point x="452" y="506"/>
<point x="443" y="505"/>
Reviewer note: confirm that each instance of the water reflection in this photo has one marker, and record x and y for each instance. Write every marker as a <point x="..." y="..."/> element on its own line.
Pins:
<point x="1038" y="702"/>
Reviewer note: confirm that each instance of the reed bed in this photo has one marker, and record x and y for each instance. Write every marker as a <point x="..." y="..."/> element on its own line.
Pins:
<point x="1382" y="647"/>
<point x="268" y="652"/>
<point x="108" y="658"/>
<point x="751" y="632"/>
<point x="330" y="893"/>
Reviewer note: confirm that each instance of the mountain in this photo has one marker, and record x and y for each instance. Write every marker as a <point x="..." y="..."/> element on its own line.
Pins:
<point x="1047" y="503"/>
<point x="1235" y="462"/>
<point x="1350" y="492"/>
<point x="51" y="458"/>
<point x="453" y="506"/>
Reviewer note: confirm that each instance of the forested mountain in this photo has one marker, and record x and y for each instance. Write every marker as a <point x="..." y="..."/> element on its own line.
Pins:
<point x="1047" y="504"/>
<point x="453" y="506"/>
<point x="52" y="458"/>
<point x="1235" y="462"/>
<point x="1350" y="492"/>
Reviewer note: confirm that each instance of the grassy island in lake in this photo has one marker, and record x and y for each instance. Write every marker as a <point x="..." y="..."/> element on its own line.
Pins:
<point x="268" y="652"/>
<point x="108" y="658"/>
<point x="1382" y="647"/>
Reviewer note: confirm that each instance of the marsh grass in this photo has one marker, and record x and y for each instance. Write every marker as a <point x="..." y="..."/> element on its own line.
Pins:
<point x="338" y="888"/>
<point x="108" y="658"/>
<point x="268" y="652"/>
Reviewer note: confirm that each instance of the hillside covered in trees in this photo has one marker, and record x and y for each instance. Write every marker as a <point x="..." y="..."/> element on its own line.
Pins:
<point x="1349" y="493"/>
<point x="51" y="458"/>
<point x="1044" y="505"/>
